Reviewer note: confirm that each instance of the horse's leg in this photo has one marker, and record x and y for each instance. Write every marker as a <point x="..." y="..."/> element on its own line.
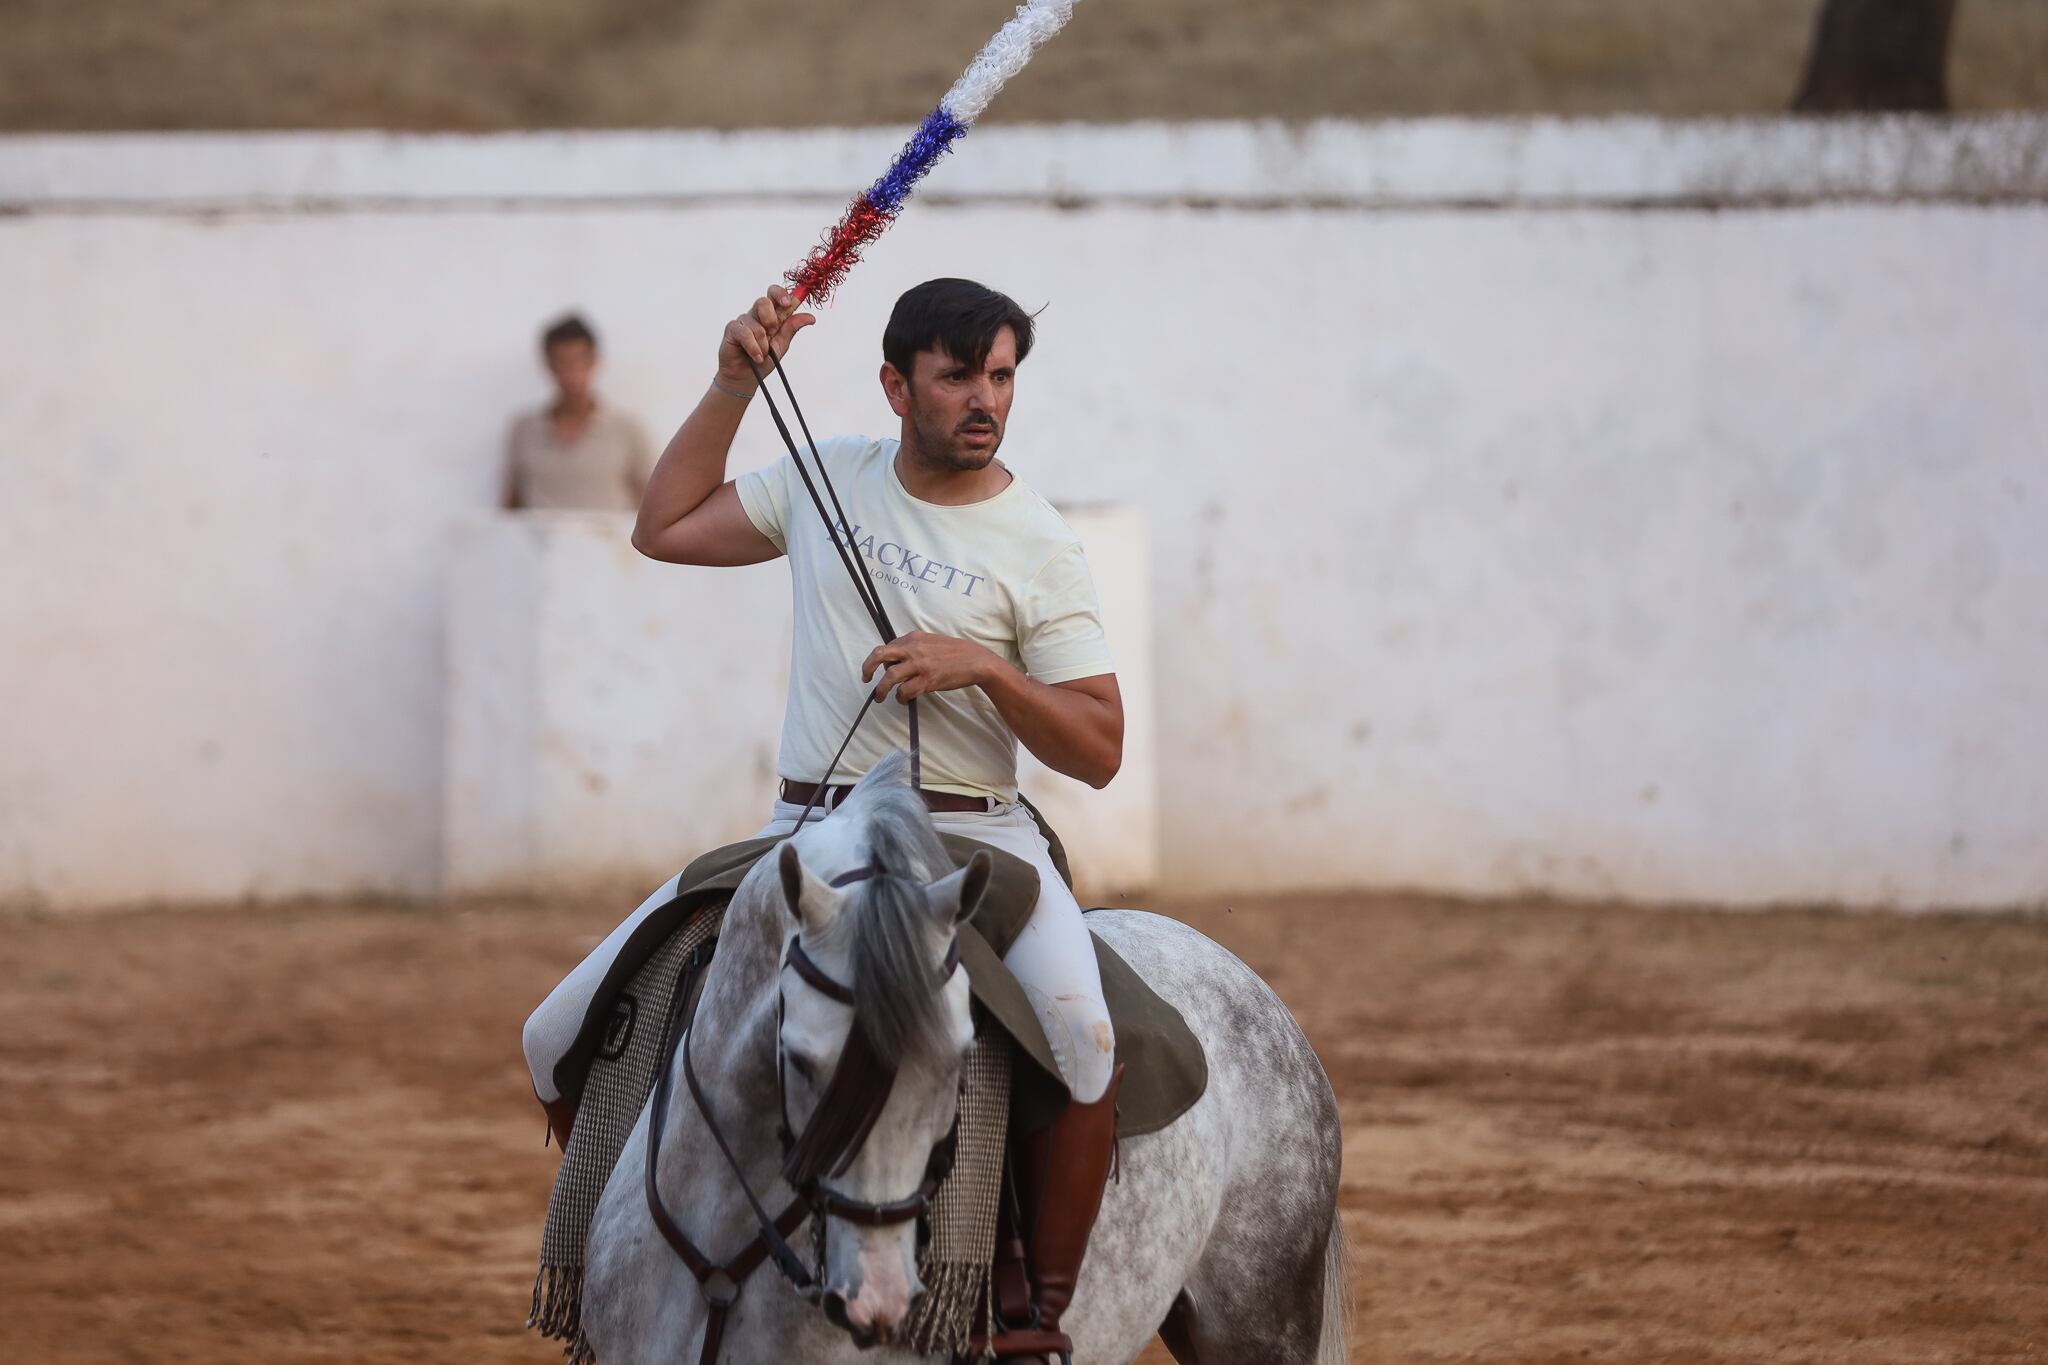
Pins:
<point x="1178" y="1331"/>
<point x="1156" y="1216"/>
<point x="1268" y="1283"/>
<point x="1271" y="1282"/>
<point x="1255" y="1297"/>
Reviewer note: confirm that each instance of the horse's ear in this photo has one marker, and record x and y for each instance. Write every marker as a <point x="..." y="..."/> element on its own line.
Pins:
<point x="809" y="900"/>
<point x="957" y="895"/>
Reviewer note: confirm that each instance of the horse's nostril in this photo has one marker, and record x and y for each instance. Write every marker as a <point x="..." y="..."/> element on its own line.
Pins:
<point x="834" y="1305"/>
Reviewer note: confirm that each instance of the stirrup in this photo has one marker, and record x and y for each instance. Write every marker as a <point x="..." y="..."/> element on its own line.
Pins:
<point x="1063" y="1354"/>
<point x="1028" y="1341"/>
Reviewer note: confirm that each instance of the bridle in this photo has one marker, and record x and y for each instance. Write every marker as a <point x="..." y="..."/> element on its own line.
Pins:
<point x="857" y="1067"/>
<point x="720" y="1282"/>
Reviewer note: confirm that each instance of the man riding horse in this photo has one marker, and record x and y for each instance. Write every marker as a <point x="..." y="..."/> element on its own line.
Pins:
<point x="1004" y="644"/>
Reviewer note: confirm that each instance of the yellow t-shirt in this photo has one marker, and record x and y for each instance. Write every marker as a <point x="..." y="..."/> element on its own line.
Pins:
<point x="1007" y="573"/>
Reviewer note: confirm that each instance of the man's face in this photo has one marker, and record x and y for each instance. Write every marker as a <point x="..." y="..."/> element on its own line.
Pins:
<point x="959" y="415"/>
<point x="572" y="363"/>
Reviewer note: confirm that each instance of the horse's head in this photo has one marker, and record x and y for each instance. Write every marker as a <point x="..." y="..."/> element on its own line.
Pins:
<point x="875" y="1026"/>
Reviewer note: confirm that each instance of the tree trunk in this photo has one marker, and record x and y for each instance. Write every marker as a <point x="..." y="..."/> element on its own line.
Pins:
<point x="1875" y="55"/>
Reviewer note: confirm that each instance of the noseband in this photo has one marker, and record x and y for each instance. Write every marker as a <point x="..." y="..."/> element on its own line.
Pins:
<point x="720" y="1283"/>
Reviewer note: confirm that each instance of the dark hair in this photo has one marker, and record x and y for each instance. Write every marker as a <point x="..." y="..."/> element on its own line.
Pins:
<point x="958" y="316"/>
<point x="566" y="329"/>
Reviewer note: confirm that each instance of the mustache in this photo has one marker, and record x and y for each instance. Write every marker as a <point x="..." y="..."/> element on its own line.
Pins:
<point x="976" y="421"/>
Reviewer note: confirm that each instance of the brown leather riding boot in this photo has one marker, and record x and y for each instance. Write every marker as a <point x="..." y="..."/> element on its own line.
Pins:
<point x="1061" y="1171"/>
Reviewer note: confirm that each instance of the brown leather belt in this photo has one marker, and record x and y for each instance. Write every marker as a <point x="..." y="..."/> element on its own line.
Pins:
<point x="803" y="793"/>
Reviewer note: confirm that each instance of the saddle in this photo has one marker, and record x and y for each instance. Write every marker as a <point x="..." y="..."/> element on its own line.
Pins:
<point x="1165" y="1069"/>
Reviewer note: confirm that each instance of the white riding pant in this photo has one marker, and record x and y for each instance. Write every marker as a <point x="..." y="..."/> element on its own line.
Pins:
<point x="1053" y="959"/>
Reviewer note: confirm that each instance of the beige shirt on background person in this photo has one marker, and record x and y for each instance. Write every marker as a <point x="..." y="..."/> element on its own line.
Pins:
<point x="604" y="469"/>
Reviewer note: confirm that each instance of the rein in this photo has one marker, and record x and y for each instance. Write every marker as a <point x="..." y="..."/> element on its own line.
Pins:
<point x="718" y="1282"/>
<point x="870" y="596"/>
<point x="858" y="1067"/>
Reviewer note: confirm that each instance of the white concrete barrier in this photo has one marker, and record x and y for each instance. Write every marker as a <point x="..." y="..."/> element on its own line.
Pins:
<point x="1403" y="164"/>
<point x="1615" y="509"/>
<point x="1112" y="835"/>
<point x="609" y="718"/>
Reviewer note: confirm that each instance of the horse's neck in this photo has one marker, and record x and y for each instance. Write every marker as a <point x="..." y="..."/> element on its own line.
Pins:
<point x="732" y="1048"/>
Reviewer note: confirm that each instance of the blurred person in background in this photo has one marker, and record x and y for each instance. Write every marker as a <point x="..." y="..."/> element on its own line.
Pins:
<point x="576" y="453"/>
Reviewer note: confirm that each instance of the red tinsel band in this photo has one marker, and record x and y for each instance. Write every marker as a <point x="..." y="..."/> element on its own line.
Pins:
<point x="827" y="264"/>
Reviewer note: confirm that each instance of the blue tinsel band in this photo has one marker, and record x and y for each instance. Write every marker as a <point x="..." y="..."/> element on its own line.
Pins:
<point x="930" y="142"/>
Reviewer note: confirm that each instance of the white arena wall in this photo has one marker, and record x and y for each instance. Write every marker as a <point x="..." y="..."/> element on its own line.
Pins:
<point x="1610" y="509"/>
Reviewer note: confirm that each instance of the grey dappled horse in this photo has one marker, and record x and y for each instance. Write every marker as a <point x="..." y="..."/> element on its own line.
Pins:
<point x="1221" y="1233"/>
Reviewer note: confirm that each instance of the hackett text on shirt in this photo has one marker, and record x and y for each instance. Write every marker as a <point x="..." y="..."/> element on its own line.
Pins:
<point x="891" y="555"/>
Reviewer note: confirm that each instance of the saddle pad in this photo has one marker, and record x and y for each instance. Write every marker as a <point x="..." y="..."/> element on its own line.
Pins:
<point x="1165" y="1070"/>
<point x="611" y="1067"/>
<point x="954" y="1260"/>
<point x="619" y="1079"/>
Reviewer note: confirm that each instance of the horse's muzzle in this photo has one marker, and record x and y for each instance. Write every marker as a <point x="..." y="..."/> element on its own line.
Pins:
<point x="864" y="1338"/>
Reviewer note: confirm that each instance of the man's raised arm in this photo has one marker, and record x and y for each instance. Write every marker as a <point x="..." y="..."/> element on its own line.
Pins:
<point x="690" y="513"/>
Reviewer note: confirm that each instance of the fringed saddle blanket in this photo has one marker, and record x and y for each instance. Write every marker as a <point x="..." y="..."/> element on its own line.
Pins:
<point x="620" y="1078"/>
<point x="1013" y="1084"/>
<point x="955" y="1262"/>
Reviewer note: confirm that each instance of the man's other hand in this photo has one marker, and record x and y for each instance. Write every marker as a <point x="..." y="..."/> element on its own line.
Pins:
<point x="767" y="326"/>
<point x="919" y="662"/>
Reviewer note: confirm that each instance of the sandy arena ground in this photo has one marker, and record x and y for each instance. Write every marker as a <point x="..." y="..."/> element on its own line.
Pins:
<point x="1574" y="1134"/>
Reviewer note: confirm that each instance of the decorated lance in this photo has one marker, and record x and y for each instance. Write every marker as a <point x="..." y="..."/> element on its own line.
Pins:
<point x="864" y="220"/>
<point x="872" y="211"/>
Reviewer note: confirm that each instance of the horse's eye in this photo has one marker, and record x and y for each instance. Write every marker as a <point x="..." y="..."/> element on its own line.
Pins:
<point x="801" y="1065"/>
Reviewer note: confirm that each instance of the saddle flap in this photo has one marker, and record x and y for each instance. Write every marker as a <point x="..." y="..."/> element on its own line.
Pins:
<point x="1165" y="1068"/>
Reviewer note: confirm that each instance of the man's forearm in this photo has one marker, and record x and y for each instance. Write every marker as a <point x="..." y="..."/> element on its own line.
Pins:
<point x="1070" y="731"/>
<point x="692" y="467"/>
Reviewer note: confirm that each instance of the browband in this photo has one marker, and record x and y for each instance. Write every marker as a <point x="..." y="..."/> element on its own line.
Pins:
<point x="814" y="976"/>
